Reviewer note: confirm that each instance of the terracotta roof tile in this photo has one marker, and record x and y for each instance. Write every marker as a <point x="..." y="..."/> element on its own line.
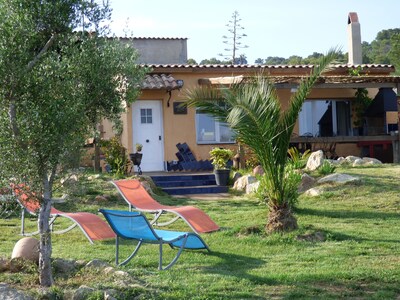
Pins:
<point x="336" y="66"/>
<point x="158" y="38"/>
<point x="160" y="82"/>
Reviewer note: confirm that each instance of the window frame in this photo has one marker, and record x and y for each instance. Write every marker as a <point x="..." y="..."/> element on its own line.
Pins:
<point x="217" y="131"/>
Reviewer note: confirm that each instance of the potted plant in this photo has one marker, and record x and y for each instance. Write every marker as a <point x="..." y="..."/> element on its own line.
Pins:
<point x="136" y="157"/>
<point x="138" y="147"/>
<point x="219" y="159"/>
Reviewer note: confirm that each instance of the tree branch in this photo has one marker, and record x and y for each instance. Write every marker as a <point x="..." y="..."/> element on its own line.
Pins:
<point x="46" y="47"/>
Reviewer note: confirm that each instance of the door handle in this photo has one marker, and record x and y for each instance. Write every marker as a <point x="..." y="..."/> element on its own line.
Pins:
<point x="147" y="141"/>
<point x="159" y="137"/>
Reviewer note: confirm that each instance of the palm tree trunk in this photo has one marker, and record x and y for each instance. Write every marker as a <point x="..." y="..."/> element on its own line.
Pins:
<point x="281" y="219"/>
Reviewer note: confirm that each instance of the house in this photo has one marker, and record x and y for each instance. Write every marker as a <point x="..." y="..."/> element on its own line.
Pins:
<point x="327" y="121"/>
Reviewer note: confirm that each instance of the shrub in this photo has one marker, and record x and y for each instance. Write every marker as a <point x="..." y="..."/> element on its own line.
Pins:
<point x="326" y="168"/>
<point x="115" y="156"/>
<point x="297" y="159"/>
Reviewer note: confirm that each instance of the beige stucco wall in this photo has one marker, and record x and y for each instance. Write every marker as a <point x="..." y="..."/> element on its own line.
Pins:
<point x="181" y="128"/>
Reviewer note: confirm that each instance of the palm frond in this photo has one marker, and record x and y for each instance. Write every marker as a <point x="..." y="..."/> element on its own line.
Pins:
<point x="253" y="110"/>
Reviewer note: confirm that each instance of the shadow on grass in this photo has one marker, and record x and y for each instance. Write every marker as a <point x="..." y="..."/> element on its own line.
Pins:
<point x="238" y="266"/>
<point x="296" y="286"/>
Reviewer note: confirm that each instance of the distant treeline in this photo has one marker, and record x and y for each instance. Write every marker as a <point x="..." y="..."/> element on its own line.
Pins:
<point x="384" y="49"/>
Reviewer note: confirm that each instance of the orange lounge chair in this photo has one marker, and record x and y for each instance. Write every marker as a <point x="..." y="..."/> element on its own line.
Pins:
<point x="137" y="197"/>
<point x="93" y="227"/>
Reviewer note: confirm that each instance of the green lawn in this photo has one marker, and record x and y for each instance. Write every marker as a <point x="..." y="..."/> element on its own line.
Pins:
<point x="359" y="258"/>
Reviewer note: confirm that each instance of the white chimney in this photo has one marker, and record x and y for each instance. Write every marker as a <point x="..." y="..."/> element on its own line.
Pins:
<point x="354" y="39"/>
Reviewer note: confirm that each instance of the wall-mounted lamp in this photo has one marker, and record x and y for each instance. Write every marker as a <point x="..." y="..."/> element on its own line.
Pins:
<point x="179" y="82"/>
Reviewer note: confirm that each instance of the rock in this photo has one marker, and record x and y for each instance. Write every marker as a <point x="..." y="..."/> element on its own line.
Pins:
<point x="306" y="183"/>
<point x="371" y="161"/>
<point x="80" y="263"/>
<point x="338" y="178"/>
<point x="108" y="295"/>
<point x="93" y="177"/>
<point x="147" y="187"/>
<point x="108" y="270"/>
<point x="314" y="192"/>
<point x="333" y="162"/>
<point x="351" y="159"/>
<point x="121" y="274"/>
<point x="258" y="171"/>
<point x="149" y="181"/>
<point x="82" y="293"/>
<point x="252" y="187"/>
<point x="315" y="160"/>
<point x="243" y="182"/>
<point x="64" y="266"/>
<point x="340" y="159"/>
<point x="97" y="263"/>
<point x="358" y="162"/>
<point x="71" y="179"/>
<point x="236" y="176"/>
<point x="27" y="248"/>
<point x="9" y="293"/>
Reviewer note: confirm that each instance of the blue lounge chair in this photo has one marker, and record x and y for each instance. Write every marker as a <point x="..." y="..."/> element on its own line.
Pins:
<point x="135" y="226"/>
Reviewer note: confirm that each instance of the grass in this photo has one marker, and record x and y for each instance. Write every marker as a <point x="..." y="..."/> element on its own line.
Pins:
<point x="359" y="258"/>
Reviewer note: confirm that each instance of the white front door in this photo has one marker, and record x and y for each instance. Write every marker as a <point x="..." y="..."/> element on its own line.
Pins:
<point x="147" y="130"/>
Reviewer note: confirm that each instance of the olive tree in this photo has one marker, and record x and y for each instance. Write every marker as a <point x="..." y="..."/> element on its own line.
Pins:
<point x="54" y="75"/>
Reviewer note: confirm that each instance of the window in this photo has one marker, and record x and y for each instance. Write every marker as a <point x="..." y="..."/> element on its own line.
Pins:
<point x="211" y="131"/>
<point x="146" y="116"/>
<point x="325" y="118"/>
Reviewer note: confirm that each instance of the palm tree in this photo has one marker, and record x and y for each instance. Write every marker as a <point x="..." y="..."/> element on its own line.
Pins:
<point x="253" y="110"/>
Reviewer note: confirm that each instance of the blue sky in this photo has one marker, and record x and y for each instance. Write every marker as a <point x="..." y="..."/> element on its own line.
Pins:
<point x="273" y="27"/>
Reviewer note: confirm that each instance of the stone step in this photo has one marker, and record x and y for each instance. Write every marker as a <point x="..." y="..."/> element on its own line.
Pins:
<point x="210" y="189"/>
<point x="188" y="184"/>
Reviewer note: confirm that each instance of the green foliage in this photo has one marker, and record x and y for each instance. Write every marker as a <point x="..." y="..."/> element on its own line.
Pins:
<point x="138" y="147"/>
<point x="56" y="81"/>
<point x="360" y="105"/>
<point x="326" y="168"/>
<point x="297" y="159"/>
<point x="253" y="111"/>
<point x="220" y="157"/>
<point x="356" y="260"/>
<point x="115" y="155"/>
<point x="252" y="161"/>
<point x="290" y="186"/>
<point x="383" y="49"/>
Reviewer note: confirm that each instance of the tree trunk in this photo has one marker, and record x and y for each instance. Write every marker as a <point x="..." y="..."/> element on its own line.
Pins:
<point x="281" y="219"/>
<point x="97" y="167"/>
<point x="45" y="275"/>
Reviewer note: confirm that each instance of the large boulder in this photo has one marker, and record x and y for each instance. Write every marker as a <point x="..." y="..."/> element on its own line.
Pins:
<point x="315" y="160"/>
<point x="26" y="248"/>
